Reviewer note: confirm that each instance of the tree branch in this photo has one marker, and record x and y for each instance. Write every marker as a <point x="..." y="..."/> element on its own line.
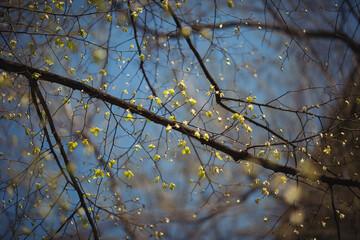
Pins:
<point x="218" y="97"/>
<point x="75" y="183"/>
<point x="237" y="155"/>
<point x="321" y="33"/>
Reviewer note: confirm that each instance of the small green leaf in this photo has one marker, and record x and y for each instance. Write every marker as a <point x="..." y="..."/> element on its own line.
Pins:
<point x="112" y="163"/>
<point x="217" y="154"/>
<point x="72" y="146"/>
<point x="157" y="157"/>
<point x="201" y="172"/>
<point x="98" y="173"/>
<point x="276" y="155"/>
<point x="95" y="130"/>
<point x="327" y="150"/>
<point x="151" y="146"/>
<point x="186" y="150"/>
<point x="128" y="174"/>
<point x="85" y="222"/>
<point x="70" y="44"/>
<point x="59" y="42"/>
